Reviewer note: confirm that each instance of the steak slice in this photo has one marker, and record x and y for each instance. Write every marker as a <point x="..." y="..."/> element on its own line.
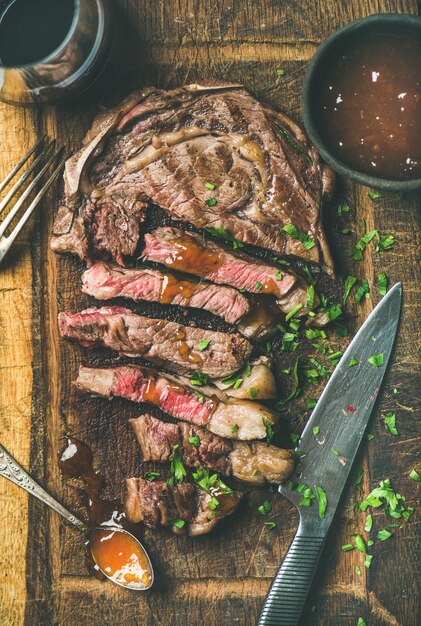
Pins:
<point x="156" y="503"/>
<point x="143" y="384"/>
<point x="255" y="463"/>
<point x="105" y="281"/>
<point x="187" y="252"/>
<point x="159" y="341"/>
<point x="162" y="147"/>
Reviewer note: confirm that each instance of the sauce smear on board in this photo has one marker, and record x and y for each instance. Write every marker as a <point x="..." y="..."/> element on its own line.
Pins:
<point x="369" y="106"/>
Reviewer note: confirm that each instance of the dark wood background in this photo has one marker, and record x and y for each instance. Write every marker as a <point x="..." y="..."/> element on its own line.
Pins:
<point x="223" y="578"/>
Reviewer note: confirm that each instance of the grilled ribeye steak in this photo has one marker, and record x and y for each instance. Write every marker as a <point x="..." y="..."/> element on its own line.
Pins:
<point x="159" y="341"/>
<point x="188" y="252"/>
<point x="255" y="463"/>
<point x="157" y="503"/>
<point x="105" y="281"/>
<point x="210" y="155"/>
<point x="238" y="419"/>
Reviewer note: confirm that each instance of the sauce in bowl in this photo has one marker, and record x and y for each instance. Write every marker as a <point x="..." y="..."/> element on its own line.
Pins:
<point x="368" y="105"/>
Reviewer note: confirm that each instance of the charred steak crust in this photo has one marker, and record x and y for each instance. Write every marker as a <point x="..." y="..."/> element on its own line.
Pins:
<point x="158" y="341"/>
<point x="161" y="147"/>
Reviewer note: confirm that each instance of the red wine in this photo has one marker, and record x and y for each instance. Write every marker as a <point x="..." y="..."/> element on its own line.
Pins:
<point x="31" y="30"/>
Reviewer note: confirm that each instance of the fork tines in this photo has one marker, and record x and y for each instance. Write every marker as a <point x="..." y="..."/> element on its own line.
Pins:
<point x="45" y="155"/>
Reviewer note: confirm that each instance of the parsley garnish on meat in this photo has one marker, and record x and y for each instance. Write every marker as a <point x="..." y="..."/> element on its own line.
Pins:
<point x="390" y="422"/>
<point x="151" y="476"/>
<point x="223" y="234"/>
<point x="258" y="285"/>
<point x="178" y="523"/>
<point x="203" y="344"/>
<point x="265" y="508"/>
<point x="322" y="499"/>
<point x="194" y="440"/>
<point x="310" y="296"/>
<point x="198" y="379"/>
<point x="293" y="312"/>
<point x="299" y="235"/>
<point x="382" y="282"/>
<point x="349" y="283"/>
<point x="234" y="428"/>
<point x="254" y="392"/>
<point x="177" y="469"/>
<point x="269" y="430"/>
<point x="376" y="360"/>
<point x="278" y="274"/>
<point x="334" y="311"/>
<point x="210" y="186"/>
<point x="211" y="202"/>
<point x="200" y="397"/>
<point x="293" y="144"/>
<point x="212" y="484"/>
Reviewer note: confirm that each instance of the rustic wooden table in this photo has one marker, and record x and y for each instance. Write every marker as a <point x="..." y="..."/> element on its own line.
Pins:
<point x="224" y="578"/>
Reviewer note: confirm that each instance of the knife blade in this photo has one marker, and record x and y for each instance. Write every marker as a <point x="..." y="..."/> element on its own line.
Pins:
<point x="341" y="415"/>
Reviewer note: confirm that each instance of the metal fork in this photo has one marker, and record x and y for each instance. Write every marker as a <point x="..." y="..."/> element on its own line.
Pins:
<point x="45" y="157"/>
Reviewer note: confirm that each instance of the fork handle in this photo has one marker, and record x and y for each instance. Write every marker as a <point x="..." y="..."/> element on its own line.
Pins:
<point x="287" y="595"/>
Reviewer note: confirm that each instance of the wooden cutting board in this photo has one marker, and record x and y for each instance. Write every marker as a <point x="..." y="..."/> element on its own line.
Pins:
<point x="223" y="578"/>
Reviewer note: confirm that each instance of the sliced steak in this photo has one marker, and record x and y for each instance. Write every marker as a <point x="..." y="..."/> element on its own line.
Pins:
<point x="188" y="252"/>
<point x="255" y="463"/>
<point x="162" y="147"/>
<point x="156" y="503"/>
<point x="142" y="384"/>
<point x="105" y="281"/>
<point x="158" y="341"/>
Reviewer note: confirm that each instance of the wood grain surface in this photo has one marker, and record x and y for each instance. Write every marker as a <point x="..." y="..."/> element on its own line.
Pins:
<point x="221" y="579"/>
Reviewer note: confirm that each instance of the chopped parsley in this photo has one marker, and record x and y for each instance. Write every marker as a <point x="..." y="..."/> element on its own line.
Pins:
<point x="353" y="362"/>
<point x="375" y="195"/>
<point x="311" y="403"/>
<point x="151" y="476"/>
<point x="368" y="557"/>
<point x="258" y="285"/>
<point x="314" y="333"/>
<point x="310" y="296"/>
<point x="385" y="494"/>
<point x="299" y="235"/>
<point x="212" y="484"/>
<point x="376" y="360"/>
<point x="194" y="440"/>
<point x="316" y="431"/>
<point x="270" y="524"/>
<point x="222" y="233"/>
<point x="198" y="379"/>
<point x="382" y="282"/>
<point x="278" y="274"/>
<point x="383" y="535"/>
<point x="358" y="570"/>
<point x="319" y="367"/>
<point x="390" y="421"/>
<point x="177" y="469"/>
<point x="280" y="71"/>
<point x="254" y="392"/>
<point x="361" y="622"/>
<point x="384" y="243"/>
<point x="210" y="186"/>
<point x="334" y="311"/>
<point x="211" y="202"/>
<point x="307" y="495"/>
<point x="203" y="344"/>
<point x="234" y="428"/>
<point x="200" y="397"/>
<point x="349" y="283"/>
<point x="347" y="547"/>
<point x="293" y="144"/>
<point x="415" y="476"/>
<point x="293" y="312"/>
<point x="322" y="499"/>
<point x="359" y="480"/>
<point x="357" y="252"/>
<point x="359" y="543"/>
<point x="343" y="208"/>
<point x="178" y="523"/>
<point x="296" y="388"/>
<point x="363" y="290"/>
<point x="370" y="436"/>
<point x="368" y="523"/>
<point x="269" y="430"/>
<point x="265" y="508"/>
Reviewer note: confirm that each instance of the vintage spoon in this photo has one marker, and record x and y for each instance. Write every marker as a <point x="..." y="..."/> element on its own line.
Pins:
<point x="116" y="552"/>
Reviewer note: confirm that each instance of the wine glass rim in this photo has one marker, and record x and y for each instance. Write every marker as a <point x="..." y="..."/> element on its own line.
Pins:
<point x="56" y="52"/>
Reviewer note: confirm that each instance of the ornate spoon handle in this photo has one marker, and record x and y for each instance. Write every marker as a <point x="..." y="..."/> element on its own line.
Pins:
<point x="10" y="469"/>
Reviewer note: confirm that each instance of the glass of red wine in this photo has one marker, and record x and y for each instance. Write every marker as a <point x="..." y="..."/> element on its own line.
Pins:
<point x="51" y="50"/>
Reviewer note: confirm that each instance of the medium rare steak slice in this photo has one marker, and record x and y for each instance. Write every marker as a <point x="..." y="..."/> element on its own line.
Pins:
<point x="143" y="384"/>
<point x="105" y="281"/>
<point x="159" y="341"/>
<point x="210" y="155"/>
<point x="188" y="252"/>
<point x="255" y="463"/>
<point x="156" y="503"/>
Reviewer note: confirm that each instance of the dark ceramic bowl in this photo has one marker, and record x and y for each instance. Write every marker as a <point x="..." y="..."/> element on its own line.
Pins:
<point x="385" y="23"/>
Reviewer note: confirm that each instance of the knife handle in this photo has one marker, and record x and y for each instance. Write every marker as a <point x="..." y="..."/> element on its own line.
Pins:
<point x="285" y="600"/>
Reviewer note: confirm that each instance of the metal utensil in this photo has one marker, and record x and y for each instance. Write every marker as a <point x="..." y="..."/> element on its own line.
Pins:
<point x="10" y="469"/>
<point x="46" y="155"/>
<point x="341" y="414"/>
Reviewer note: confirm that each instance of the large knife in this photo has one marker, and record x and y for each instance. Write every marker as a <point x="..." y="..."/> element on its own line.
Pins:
<point x="341" y="415"/>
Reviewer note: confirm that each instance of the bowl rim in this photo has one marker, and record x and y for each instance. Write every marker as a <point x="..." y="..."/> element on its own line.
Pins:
<point x="400" y="19"/>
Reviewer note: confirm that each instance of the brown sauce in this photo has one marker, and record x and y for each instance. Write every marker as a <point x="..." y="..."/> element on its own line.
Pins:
<point x="122" y="558"/>
<point x="172" y="287"/>
<point x="191" y="254"/>
<point x="184" y="350"/>
<point x="369" y="106"/>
